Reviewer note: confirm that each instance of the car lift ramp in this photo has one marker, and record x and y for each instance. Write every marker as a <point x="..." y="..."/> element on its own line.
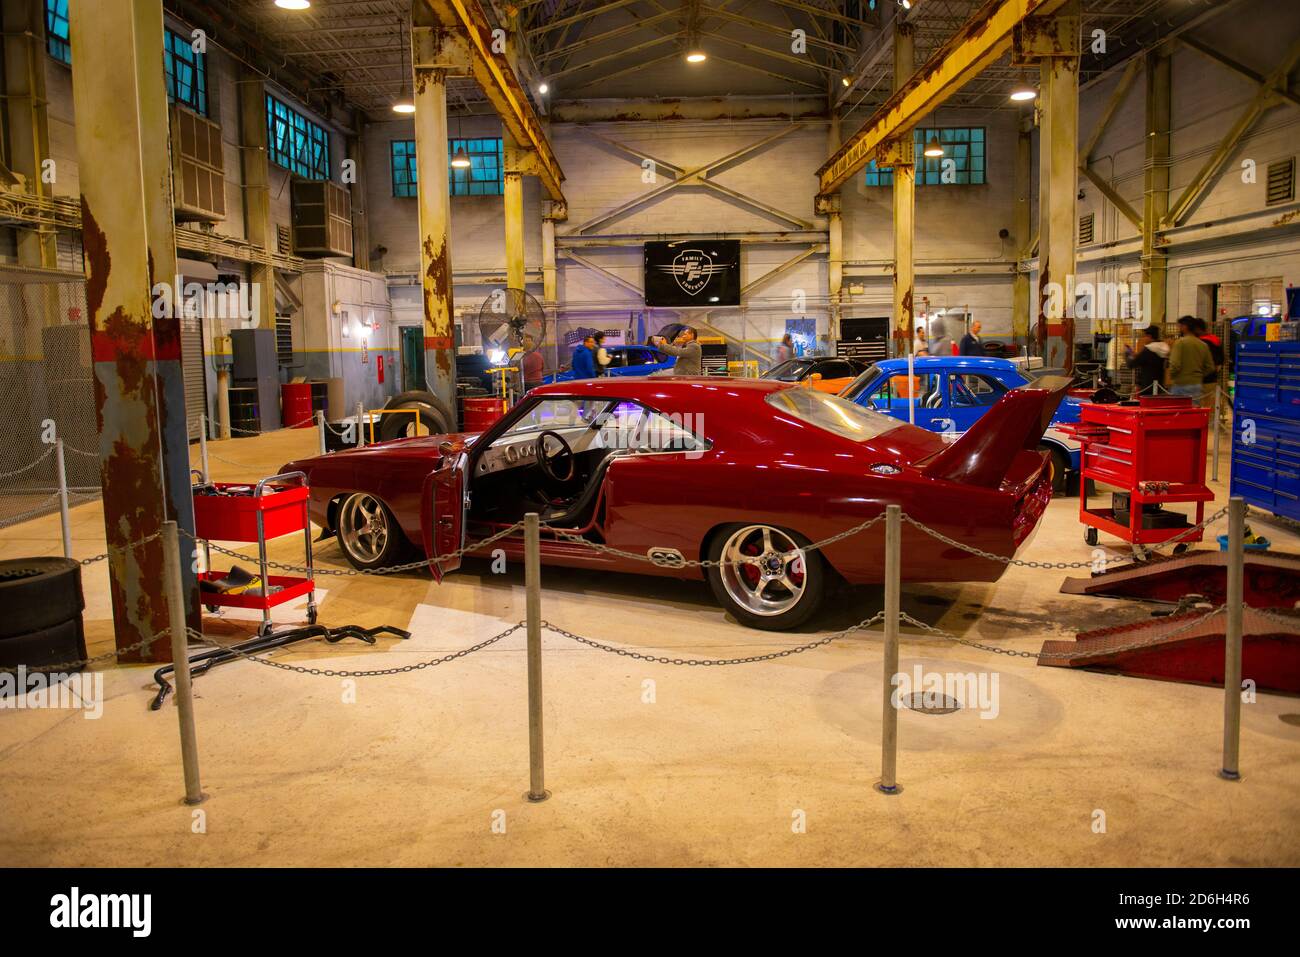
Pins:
<point x="1269" y="580"/>
<point x="1270" y="653"/>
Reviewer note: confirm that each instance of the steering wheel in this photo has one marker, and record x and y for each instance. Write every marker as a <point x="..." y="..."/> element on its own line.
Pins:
<point x="962" y="394"/>
<point x="549" y="461"/>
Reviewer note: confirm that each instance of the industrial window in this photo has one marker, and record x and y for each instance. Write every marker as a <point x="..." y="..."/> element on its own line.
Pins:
<point x="483" y="176"/>
<point x="187" y="74"/>
<point x="56" y="30"/>
<point x="295" y="142"/>
<point x="403" y="153"/>
<point x="962" y="162"/>
<point x="1281" y="182"/>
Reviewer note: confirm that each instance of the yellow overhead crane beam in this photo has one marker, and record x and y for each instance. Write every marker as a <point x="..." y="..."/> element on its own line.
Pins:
<point x="987" y="35"/>
<point x="490" y="66"/>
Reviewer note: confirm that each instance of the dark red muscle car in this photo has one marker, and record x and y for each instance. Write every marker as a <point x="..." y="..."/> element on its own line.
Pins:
<point x="695" y="468"/>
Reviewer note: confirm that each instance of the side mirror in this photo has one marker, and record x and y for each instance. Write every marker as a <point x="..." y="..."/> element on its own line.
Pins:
<point x="446" y="448"/>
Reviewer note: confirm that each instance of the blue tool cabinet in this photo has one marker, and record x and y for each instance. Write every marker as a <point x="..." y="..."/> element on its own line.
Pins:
<point x="1266" y="426"/>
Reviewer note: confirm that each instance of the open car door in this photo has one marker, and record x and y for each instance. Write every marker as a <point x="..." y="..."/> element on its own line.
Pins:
<point x="442" y="512"/>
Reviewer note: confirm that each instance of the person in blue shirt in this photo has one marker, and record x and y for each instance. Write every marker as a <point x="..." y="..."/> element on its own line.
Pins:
<point x="970" y="343"/>
<point x="584" y="359"/>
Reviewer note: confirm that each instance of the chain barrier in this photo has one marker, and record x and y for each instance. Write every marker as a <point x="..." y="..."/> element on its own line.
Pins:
<point x="354" y="572"/>
<point x="130" y="546"/>
<point x="1061" y="655"/>
<point x="76" y="451"/>
<point x="94" y="659"/>
<point x="663" y="561"/>
<point x="30" y="465"/>
<point x="373" y="672"/>
<point x="707" y="662"/>
<point x="1007" y="560"/>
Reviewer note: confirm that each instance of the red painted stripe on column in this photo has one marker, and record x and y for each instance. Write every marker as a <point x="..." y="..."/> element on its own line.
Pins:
<point x="438" y="342"/>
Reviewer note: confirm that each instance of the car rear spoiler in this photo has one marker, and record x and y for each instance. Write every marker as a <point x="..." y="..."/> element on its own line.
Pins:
<point x="985" y="454"/>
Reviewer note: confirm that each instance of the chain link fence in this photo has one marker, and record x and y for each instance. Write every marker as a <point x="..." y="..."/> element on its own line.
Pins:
<point x="46" y="391"/>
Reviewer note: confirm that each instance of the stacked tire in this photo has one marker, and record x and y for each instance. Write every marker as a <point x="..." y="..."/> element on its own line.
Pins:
<point x="42" y="601"/>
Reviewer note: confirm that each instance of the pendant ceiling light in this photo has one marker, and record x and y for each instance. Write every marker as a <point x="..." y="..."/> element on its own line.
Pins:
<point x="933" y="147"/>
<point x="404" y="103"/>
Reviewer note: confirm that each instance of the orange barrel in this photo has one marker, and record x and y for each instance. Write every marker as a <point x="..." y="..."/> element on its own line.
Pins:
<point x="481" y="412"/>
<point x="295" y="405"/>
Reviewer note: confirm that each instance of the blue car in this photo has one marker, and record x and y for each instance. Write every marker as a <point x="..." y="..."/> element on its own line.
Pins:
<point x="624" y="360"/>
<point x="952" y="392"/>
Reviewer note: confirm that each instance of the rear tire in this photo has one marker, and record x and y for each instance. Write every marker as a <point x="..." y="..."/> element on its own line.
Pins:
<point x="38" y="593"/>
<point x="434" y="417"/>
<point x="777" y="603"/>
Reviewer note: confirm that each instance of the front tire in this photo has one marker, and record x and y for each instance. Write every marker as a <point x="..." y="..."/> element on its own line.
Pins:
<point x="782" y="592"/>
<point x="1060" y="466"/>
<point x="367" y="532"/>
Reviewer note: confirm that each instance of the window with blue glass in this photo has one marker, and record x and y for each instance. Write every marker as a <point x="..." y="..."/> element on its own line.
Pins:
<point x="483" y="176"/>
<point x="295" y="142"/>
<point x="962" y="162"/>
<point x="187" y="79"/>
<point x="56" y="30"/>
<point x="403" y="154"/>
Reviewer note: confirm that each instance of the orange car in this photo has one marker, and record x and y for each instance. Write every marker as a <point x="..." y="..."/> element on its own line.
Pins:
<point x="823" y="373"/>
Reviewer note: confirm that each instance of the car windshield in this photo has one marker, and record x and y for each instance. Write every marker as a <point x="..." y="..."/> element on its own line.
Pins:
<point x="791" y="370"/>
<point x="832" y="413"/>
<point x="861" y="383"/>
<point x="559" y="413"/>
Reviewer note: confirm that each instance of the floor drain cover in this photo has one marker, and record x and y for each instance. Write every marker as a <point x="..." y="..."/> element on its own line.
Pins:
<point x="927" y="703"/>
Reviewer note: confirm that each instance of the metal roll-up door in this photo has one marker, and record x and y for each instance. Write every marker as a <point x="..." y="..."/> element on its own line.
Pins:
<point x="193" y="368"/>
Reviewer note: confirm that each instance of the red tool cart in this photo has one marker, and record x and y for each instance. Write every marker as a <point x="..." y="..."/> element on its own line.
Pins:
<point x="1154" y="452"/>
<point x="234" y="512"/>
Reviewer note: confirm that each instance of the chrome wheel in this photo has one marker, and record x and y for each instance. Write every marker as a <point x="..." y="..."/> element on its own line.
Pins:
<point x="364" y="529"/>
<point x="773" y="577"/>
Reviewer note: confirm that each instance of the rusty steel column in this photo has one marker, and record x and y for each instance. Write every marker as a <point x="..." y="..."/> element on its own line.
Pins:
<point x="129" y="240"/>
<point x="904" y="199"/>
<point x="1057" y="42"/>
<point x="430" y="48"/>
<point x="1155" y="186"/>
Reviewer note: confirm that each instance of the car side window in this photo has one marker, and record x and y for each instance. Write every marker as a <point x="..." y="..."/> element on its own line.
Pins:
<point x="970" y="391"/>
<point x="631" y="426"/>
<point x="835" y="369"/>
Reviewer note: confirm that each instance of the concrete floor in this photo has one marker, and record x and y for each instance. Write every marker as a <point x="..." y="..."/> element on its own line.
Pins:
<point x="429" y="767"/>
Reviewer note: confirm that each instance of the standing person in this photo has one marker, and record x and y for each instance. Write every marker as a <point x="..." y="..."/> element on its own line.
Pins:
<point x="584" y="359"/>
<point x="1189" y="362"/>
<point x="919" y="342"/>
<point x="531" y="364"/>
<point x="1215" y="345"/>
<point x="1148" y="363"/>
<point x="602" y="356"/>
<point x="785" y="351"/>
<point x="686" y="349"/>
<point x="970" y="343"/>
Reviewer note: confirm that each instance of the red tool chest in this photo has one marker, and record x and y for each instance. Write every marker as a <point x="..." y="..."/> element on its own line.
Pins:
<point x="239" y="512"/>
<point x="1154" y="454"/>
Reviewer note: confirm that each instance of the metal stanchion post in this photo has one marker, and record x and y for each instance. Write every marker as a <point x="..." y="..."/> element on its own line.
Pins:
<point x="1232" y="640"/>
<point x="65" y="520"/>
<point x="320" y="428"/>
<point x="889" y="715"/>
<point x="533" y="612"/>
<point x="203" y="446"/>
<point x="1216" y="423"/>
<point x="361" y="427"/>
<point x="181" y="662"/>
